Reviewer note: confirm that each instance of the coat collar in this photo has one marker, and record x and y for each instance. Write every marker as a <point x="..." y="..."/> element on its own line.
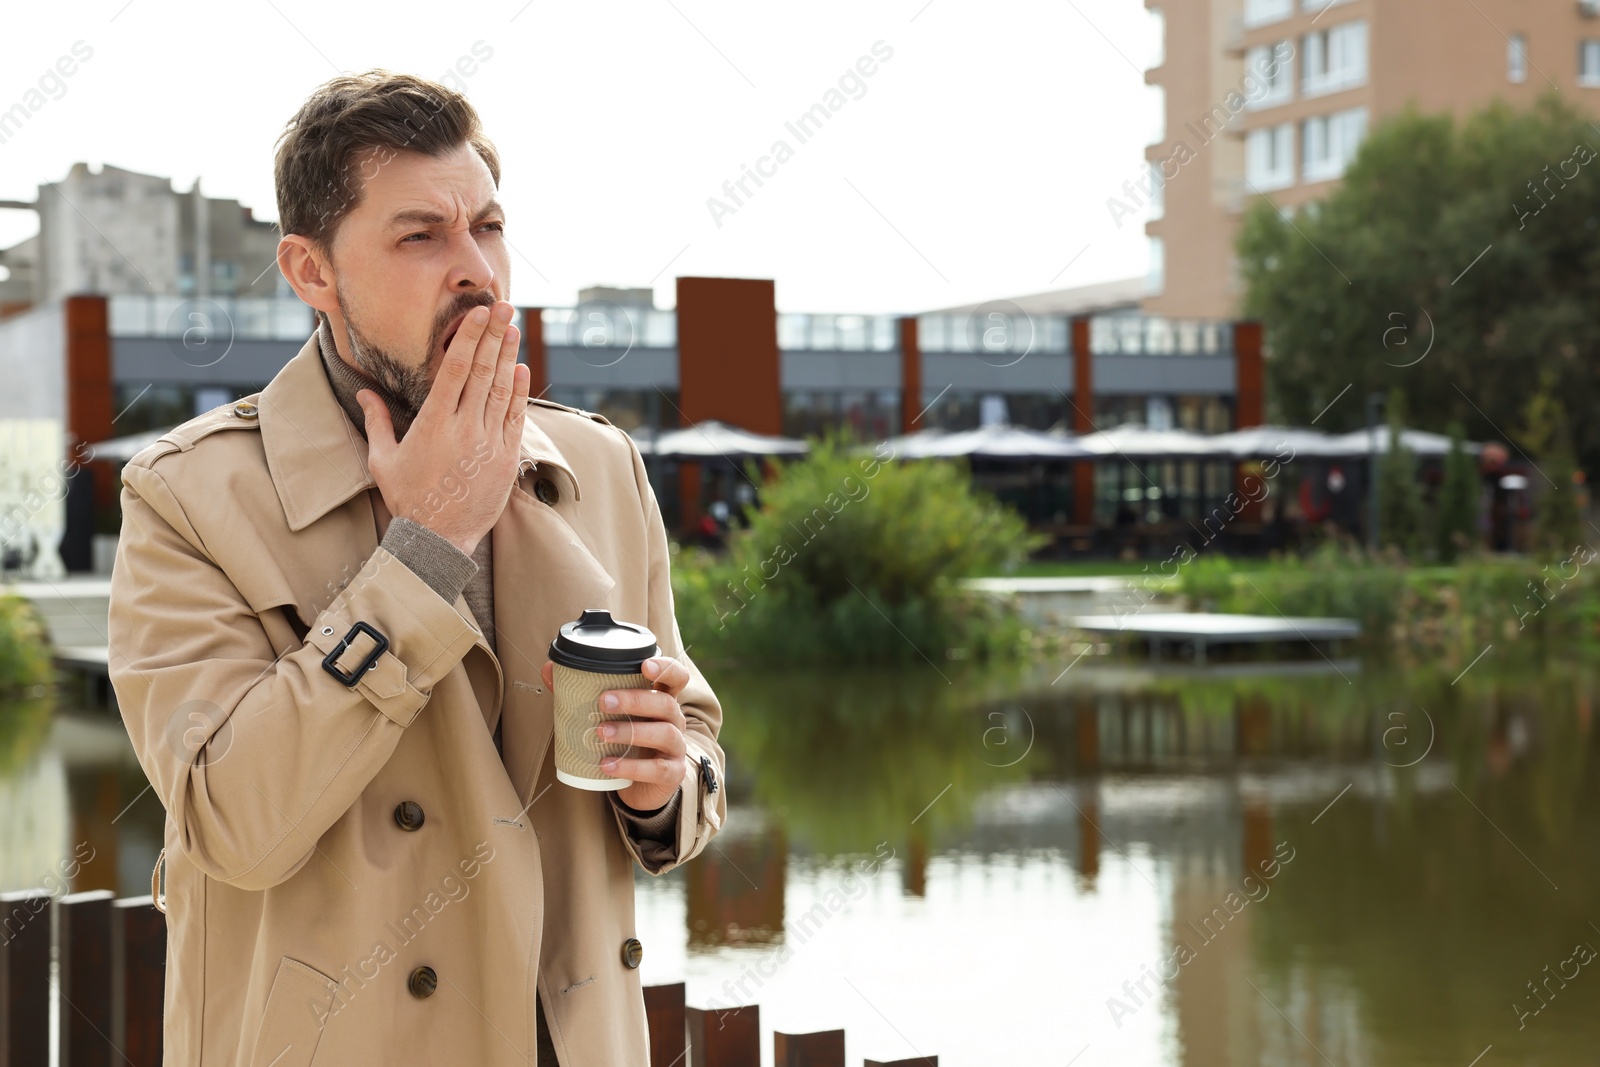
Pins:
<point x="317" y="457"/>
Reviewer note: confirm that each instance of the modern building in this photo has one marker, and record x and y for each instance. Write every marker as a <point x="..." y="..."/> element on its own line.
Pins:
<point x="1274" y="97"/>
<point x="136" y="307"/>
<point x="91" y="367"/>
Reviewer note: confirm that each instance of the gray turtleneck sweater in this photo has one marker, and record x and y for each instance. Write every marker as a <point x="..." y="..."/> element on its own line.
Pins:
<point x="446" y="569"/>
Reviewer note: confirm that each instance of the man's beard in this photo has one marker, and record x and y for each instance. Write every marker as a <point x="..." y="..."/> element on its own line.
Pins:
<point x="406" y="383"/>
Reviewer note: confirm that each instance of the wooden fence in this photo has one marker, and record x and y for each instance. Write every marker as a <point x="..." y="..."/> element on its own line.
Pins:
<point x="112" y="957"/>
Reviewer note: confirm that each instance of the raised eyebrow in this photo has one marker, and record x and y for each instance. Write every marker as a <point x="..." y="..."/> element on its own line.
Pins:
<point x="426" y="217"/>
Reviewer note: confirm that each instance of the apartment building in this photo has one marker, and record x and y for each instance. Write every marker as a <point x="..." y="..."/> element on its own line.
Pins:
<point x="1274" y="97"/>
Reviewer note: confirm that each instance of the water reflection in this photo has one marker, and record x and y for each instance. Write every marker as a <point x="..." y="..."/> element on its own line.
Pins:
<point x="1427" y="822"/>
<point x="1308" y="863"/>
<point x="726" y="902"/>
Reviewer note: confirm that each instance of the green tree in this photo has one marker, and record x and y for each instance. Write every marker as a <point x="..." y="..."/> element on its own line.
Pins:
<point x="1400" y="521"/>
<point x="1451" y="260"/>
<point x="1456" y="526"/>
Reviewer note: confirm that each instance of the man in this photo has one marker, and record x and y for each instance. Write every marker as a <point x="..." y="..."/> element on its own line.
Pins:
<point x="330" y="613"/>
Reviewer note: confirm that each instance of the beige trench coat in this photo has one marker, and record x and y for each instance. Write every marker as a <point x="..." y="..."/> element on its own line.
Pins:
<point x="302" y="897"/>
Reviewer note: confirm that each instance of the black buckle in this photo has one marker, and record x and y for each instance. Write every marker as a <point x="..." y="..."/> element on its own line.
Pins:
<point x="707" y="773"/>
<point x="366" y="664"/>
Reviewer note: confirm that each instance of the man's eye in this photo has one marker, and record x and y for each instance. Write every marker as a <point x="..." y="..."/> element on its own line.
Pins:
<point x="403" y="240"/>
<point x="499" y="227"/>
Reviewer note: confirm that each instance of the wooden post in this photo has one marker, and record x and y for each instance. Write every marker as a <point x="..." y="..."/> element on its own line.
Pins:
<point x="825" y="1048"/>
<point x="138" y="976"/>
<point x="25" y="978"/>
<point x="663" y="1007"/>
<point x="725" y="1037"/>
<point x="83" y="937"/>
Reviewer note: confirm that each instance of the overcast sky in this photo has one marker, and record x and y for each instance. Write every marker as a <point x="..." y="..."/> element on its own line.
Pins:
<point x="974" y="163"/>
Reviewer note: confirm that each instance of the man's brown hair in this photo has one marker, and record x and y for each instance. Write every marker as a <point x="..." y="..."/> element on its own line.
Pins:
<point x="323" y="154"/>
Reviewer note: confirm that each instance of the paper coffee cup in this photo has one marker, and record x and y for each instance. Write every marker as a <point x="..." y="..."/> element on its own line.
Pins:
<point x="590" y="655"/>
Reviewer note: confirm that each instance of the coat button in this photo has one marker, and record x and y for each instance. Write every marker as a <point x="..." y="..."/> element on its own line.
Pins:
<point x="245" y="410"/>
<point x="408" y="815"/>
<point x="546" y="491"/>
<point x="632" y="952"/>
<point x="423" y="982"/>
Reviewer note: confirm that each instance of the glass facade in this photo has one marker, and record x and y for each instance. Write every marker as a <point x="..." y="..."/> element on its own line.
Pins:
<point x="1161" y="493"/>
<point x="1042" y="493"/>
<point x="1199" y="414"/>
<point x="630" y="409"/>
<point x="600" y="324"/>
<point x="240" y="317"/>
<point x="836" y="333"/>
<point x="142" y="408"/>
<point x="870" y="415"/>
<point x="997" y="327"/>
<point x="965" y="410"/>
<point x="1153" y="335"/>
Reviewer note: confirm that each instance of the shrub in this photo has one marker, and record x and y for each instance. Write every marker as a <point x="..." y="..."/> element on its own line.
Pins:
<point x="24" y="646"/>
<point x="855" y="557"/>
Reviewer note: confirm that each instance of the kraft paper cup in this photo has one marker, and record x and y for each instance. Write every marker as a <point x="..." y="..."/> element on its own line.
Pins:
<point x="579" y="749"/>
<point x="590" y="655"/>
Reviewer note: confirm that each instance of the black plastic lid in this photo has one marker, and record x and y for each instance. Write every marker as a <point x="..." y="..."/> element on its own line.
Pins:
<point x="597" y="642"/>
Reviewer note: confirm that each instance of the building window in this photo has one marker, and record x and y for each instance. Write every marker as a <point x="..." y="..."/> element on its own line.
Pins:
<point x="1158" y="26"/>
<point x="1269" y="158"/>
<point x="1330" y="143"/>
<point x="1158" y="193"/>
<point x="868" y="415"/>
<point x="1273" y="76"/>
<point x="1157" y="277"/>
<point x="1261" y="12"/>
<point x="1517" y="58"/>
<point x="1335" y="58"/>
<point x="1589" y="62"/>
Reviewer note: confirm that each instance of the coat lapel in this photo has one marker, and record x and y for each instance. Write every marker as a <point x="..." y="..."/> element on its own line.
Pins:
<point x="543" y="573"/>
<point x="544" y="576"/>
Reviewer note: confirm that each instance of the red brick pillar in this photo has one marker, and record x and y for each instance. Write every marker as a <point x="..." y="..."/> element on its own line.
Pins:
<point x="727" y="363"/>
<point x="910" y="376"/>
<point x="1082" y="421"/>
<point x="533" y="351"/>
<point x="90" y="397"/>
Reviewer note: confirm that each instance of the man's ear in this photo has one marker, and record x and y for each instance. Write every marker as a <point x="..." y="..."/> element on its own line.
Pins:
<point x="308" y="272"/>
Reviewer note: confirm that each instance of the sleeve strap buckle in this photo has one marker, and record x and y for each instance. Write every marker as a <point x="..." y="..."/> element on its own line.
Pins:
<point x="371" y="659"/>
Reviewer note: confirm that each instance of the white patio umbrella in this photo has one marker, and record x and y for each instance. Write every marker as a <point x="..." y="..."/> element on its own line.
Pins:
<point x="1420" y="442"/>
<point x="1259" y="442"/>
<point x="996" y="441"/>
<point x="711" y="438"/>
<point x="1134" y="440"/>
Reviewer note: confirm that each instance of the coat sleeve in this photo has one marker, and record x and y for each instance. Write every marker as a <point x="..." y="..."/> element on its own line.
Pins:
<point x="702" y="801"/>
<point x="254" y="751"/>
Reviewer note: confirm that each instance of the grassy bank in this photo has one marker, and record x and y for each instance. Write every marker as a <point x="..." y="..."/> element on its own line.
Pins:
<point x="1531" y="606"/>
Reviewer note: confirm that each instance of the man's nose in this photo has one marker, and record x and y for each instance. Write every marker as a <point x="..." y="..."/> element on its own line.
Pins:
<point x="469" y="269"/>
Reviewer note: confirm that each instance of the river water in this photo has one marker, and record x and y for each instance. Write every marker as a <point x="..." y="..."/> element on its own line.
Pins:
<point x="1295" y="863"/>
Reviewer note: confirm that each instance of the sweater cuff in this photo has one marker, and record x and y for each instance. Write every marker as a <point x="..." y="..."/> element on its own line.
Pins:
<point x="444" y="567"/>
<point x="657" y="825"/>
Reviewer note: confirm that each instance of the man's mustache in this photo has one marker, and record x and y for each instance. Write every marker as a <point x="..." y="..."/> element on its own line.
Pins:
<point x="462" y="306"/>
